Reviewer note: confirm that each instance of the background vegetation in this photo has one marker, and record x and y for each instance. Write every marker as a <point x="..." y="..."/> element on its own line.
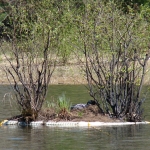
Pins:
<point x="110" y="38"/>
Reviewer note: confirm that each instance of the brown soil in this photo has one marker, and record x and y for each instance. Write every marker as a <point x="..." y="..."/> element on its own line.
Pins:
<point x="89" y="114"/>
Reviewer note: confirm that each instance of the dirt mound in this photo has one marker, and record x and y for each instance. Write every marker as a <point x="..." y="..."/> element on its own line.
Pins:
<point x="89" y="114"/>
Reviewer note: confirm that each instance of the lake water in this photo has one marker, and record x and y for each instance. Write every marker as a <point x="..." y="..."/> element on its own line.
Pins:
<point x="127" y="137"/>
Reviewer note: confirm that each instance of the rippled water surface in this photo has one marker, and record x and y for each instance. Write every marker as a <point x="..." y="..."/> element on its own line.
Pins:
<point x="128" y="137"/>
<point x="50" y="138"/>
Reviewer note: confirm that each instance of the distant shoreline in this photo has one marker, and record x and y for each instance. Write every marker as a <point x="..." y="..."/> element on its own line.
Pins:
<point x="68" y="74"/>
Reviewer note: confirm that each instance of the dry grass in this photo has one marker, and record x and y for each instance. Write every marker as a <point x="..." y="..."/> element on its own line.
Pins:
<point x="89" y="114"/>
<point x="63" y="74"/>
<point x="70" y="73"/>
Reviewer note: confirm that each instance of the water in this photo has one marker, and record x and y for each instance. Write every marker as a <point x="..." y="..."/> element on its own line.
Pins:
<point x="53" y="138"/>
<point x="48" y="138"/>
<point x="75" y="93"/>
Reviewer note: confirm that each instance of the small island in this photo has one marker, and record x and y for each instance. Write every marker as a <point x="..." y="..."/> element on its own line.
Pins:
<point x="109" y="46"/>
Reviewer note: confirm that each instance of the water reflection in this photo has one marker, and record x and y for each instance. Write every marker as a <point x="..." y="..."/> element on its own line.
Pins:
<point x="46" y="138"/>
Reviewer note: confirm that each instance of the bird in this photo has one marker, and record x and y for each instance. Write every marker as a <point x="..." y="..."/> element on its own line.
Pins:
<point x="82" y="106"/>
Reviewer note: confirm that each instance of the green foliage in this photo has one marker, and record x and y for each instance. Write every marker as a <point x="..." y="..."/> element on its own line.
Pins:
<point x="33" y="18"/>
<point x="145" y="12"/>
<point x="30" y="18"/>
<point x="3" y="16"/>
<point x="63" y="103"/>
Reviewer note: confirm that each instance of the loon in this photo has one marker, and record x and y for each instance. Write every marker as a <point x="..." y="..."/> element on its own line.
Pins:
<point x="81" y="106"/>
